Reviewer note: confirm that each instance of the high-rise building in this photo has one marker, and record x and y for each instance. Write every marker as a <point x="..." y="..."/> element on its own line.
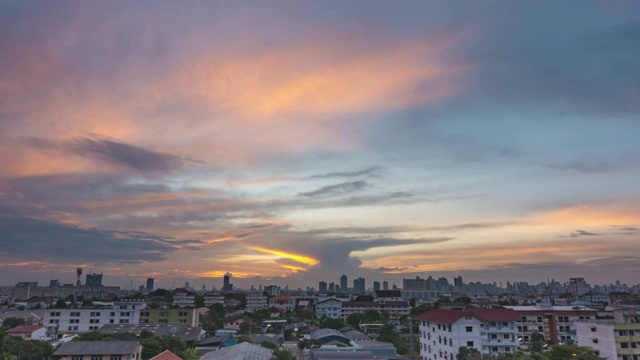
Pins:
<point x="358" y="285"/>
<point x="343" y="283"/>
<point x="385" y="285"/>
<point x="227" y="286"/>
<point x="93" y="279"/>
<point x="54" y="283"/>
<point x="150" y="284"/>
<point x="332" y="287"/>
<point x="322" y="287"/>
<point x="376" y="285"/>
<point x="457" y="281"/>
<point x="577" y="286"/>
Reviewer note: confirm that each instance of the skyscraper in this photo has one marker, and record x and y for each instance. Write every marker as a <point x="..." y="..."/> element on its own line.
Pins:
<point x="150" y="284"/>
<point x="227" y="286"/>
<point x="358" y="285"/>
<point x="376" y="285"/>
<point x="343" y="283"/>
<point x="93" y="279"/>
<point x="322" y="287"/>
<point x="385" y="285"/>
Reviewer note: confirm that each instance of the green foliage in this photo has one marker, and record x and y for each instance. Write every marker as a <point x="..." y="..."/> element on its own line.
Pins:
<point x="308" y="344"/>
<point x="245" y="328"/>
<point x="245" y="338"/>
<point x="283" y="354"/>
<point x="93" y="336"/>
<point x="153" y="345"/>
<point x="11" y="322"/>
<point x="355" y="320"/>
<point x="387" y="333"/>
<point x="17" y="346"/>
<point x="441" y="301"/>
<point x="60" y="304"/>
<point x="563" y="352"/>
<point x="199" y="300"/>
<point x="466" y="353"/>
<point x="330" y="323"/>
<point x="537" y="341"/>
<point x="190" y="354"/>
<point x="269" y="345"/>
<point x="462" y="300"/>
<point x="418" y="310"/>
<point x="364" y="298"/>
<point x="238" y="296"/>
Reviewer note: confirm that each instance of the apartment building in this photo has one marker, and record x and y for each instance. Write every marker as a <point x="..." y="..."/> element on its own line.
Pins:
<point x="617" y="339"/>
<point x="62" y="321"/>
<point x="331" y="308"/>
<point x="395" y="309"/>
<point x="444" y="331"/>
<point x="169" y="316"/>
<point x="556" y="323"/>
<point x="256" y="301"/>
<point x="283" y="302"/>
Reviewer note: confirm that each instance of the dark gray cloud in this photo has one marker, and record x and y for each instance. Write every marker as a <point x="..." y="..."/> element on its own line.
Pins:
<point x="338" y="189"/>
<point x="579" y="233"/>
<point x="387" y="269"/>
<point x="35" y="239"/>
<point x="128" y="156"/>
<point x="593" y="165"/>
<point x="372" y="171"/>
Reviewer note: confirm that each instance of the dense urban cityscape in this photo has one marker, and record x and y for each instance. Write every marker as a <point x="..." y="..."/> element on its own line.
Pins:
<point x="319" y="180"/>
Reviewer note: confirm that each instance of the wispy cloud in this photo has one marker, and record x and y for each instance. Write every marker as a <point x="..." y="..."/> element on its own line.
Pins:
<point x="338" y="189"/>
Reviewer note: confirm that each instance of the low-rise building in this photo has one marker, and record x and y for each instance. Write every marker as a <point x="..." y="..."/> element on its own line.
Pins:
<point x="256" y="301"/>
<point x="395" y="309"/>
<point x="187" y="316"/>
<point x="211" y="299"/>
<point x="99" y="350"/>
<point x="331" y="308"/>
<point x="183" y="299"/>
<point x="73" y="321"/>
<point x="283" y="302"/>
<point x="30" y="332"/>
<point x="490" y="331"/>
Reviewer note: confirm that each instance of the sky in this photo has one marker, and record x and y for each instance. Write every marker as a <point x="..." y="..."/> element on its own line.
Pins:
<point x="288" y="142"/>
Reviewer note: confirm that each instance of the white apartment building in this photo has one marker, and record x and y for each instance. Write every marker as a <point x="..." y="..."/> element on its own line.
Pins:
<point x="184" y="300"/>
<point x="283" y="302"/>
<point x="73" y="321"/>
<point x="556" y="323"/>
<point x="331" y="308"/>
<point x="395" y="309"/>
<point x="490" y="331"/>
<point x="617" y="339"/>
<point x="256" y="301"/>
<point x="213" y="298"/>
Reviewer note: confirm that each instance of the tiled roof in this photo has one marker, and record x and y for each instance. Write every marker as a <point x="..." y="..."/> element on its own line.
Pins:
<point x="441" y="316"/>
<point x="25" y="329"/>
<point x="97" y="348"/>
<point x="388" y="293"/>
<point x="495" y="314"/>
<point x="166" y="355"/>
<point x="242" y="351"/>
<point x="447" y="317"/>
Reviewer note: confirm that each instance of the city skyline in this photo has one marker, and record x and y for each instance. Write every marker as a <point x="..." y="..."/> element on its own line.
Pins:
<point x="299" y="141"/>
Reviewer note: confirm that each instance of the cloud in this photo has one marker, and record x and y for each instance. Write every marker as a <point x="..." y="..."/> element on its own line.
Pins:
<point x="579" y="233"/>
<point x="51" y="241"/>
<point x="370" y="171"/>
<point x="394" y="269"/>
<point x="125" y="155"/>
<point x="338" y="189"/>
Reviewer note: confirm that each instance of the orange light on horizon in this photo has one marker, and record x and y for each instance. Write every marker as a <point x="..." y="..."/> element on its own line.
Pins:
<point x="299" y="258"/>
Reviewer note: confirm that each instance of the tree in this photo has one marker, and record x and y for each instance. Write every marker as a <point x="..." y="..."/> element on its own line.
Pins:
<point x="25" y="349"/>
<point x="355" y="320"/>
<point x="308" y="344"/>
<point x="190" y="354"/>
<point x="330" y="323"/>
<point x="387" y="333"/>
<point x="465" y="353"/>
<point x="283" y="354"/>
<point x="245" y="338"/>
<point x="11" y="322"/>
<point x="364" y="298"/>
<point x="563" y="352"/>
<point x="418" y="310"/>
<point x="269" y="345"/>
<point x="537" y="341"/>
<point x="60" y="304"/>
<point x="94" y="336"/>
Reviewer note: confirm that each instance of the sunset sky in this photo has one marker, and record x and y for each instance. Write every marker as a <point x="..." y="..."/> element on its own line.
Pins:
<point x="292" y="142"/>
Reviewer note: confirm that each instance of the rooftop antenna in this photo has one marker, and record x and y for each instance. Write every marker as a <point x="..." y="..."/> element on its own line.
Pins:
<point x="75" y="295"/>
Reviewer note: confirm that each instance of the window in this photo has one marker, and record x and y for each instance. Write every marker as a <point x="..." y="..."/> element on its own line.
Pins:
<point x="495" y="348"/>
<point x="494" y="336"/>
<point x="469" y="328"/>
<point x="76" y="358"/>
<point x="504" y="323"/>
<point x="113" y="313"/>
<point x="507" y="349"/>
<point x="55" y="313"/>
<point x="95" y="313"/>
<point x="506" y="336"/>
<point x="74" y="313"/>
<point x="92" y="328"/>
<point x="595" y="341"/>
<point x="469" y="343"/>
<point x="115" y="358"/>
<point x="124" y="321"/>
<point x="624" y="345"/>
<point x="539" y="319"/>
<point x="54" y="321"/>
<point x="96" y="357"/>
<point x="524" y="318"/>
<point x="593" y="329"/>
<point x="111" y="321"/>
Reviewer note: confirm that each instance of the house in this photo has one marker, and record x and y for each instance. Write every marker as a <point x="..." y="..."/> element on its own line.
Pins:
<point x="166" y="355"/>
<point x="443" y="331"/>
<point x="99" y="350"/>
<point x="234" y="322"/>
<point x="242" y="351"/>
<point x="30" y="332"/>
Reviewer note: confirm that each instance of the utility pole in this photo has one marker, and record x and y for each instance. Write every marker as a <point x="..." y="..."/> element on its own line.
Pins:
<point x="410" y="318"/>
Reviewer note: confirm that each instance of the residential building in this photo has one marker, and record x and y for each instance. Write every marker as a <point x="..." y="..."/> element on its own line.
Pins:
<point x="419" y="288"/>
<point x="73" y="321"/>
<point x="283" y="302"/>
<point x="234" y="322"/>
<point x="166" y="355"/>
<point x="578" y="286"/>
<point x="93" y="280"/>
<point x="187" y="316"/>
<point x="490" y="331"/>
<point x="395" y="309"/>
<point x="387" y="295"/>
<point x="617" y="339"/>
<point x="150" y="282"/>
<point x="256" y="301"/>
<point x="322" y="287"/>
<point x="358" y="285"/>
<point x="556" y="323"/>
<point x="102" y="350"/>
<point x="331" y="308"/>
<point x="344" y="287"/>
<point x="29" y="332"/>
<point x="212" y="298"/>
<point x="183" y="299"/>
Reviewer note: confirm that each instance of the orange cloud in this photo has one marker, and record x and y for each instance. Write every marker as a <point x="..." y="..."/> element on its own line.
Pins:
<point x="299" y="258"/>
